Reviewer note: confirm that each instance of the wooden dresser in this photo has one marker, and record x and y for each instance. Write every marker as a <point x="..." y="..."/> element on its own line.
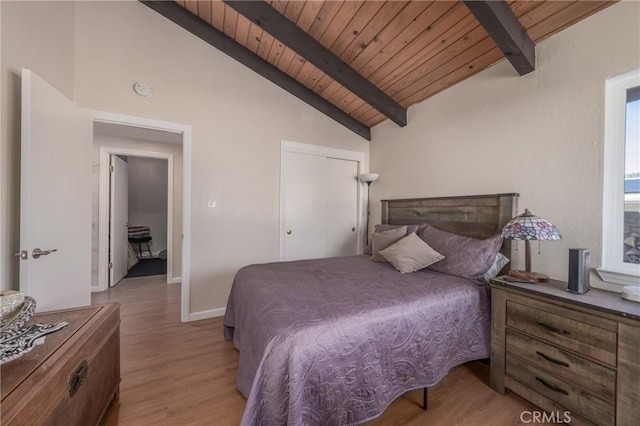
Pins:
<point x="567" y="353"/>
<point x="72" y="377"/>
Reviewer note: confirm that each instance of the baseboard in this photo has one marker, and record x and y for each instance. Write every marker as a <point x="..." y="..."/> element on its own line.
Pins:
<point x="175" y="280"/>
<point x="154" y="255"/>
<point x="211" y="313"/>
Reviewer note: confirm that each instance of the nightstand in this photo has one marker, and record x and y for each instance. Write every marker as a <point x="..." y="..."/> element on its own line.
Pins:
<point x="567" y="352"/>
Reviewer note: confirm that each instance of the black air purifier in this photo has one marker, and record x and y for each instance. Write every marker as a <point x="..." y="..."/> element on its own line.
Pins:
<point x="578" y="271"/>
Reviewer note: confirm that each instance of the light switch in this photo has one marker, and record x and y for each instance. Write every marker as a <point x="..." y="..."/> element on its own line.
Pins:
<point x="211" y="202"/>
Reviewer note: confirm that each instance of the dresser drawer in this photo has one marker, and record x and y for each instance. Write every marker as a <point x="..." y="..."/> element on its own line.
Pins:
<point x="572" y="397"/>
<point x="547" y="404"/>
<point x="566" y="328"/>
<point x="573" y="368"/>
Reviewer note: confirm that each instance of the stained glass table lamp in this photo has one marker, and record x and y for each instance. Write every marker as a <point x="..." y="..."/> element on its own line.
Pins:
<point x="528" y="227"/>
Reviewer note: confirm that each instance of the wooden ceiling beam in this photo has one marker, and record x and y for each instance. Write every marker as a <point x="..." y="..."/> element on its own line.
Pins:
<point x="203" y="30"/>
<point x="271" y="21"/>
<point x="503" y="26"/>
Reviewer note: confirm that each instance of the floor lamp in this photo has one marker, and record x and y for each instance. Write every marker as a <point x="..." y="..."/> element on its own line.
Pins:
<point x="368" y="178"/>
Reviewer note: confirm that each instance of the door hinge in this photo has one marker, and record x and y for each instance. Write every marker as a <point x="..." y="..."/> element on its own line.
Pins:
<point x="110" y="265"/>
<point x="111" y="169"/>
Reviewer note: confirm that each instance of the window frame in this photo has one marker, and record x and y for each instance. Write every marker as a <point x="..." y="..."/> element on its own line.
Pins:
<point x="613" y="268"/>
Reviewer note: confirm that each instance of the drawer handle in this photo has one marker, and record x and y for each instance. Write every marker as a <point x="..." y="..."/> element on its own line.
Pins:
<point x="554" y="361"/>
<point x="552" y="328"/>
<point x="552" y="387"/>
<point x="78" y="377"/>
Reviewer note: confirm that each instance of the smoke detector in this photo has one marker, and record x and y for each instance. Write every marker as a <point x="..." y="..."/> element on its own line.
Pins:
<point x="143" y="89"/>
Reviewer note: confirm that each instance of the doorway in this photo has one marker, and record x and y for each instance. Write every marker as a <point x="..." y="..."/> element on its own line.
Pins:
<point x="55" y="188"/>
<point x="141" y="218"/>
<point x="138" y="138"/>
<point x="139" y="194"/>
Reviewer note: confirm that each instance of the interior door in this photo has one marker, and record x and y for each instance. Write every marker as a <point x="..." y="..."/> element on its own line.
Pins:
<point x="55" y="197"/>
<point x="341" y="215"/>
<point x="320" y="207"/>
<point x="118" y="220"/>
<point x="304" y="197"/>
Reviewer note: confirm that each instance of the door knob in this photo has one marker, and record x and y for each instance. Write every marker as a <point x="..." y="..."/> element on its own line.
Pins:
<point x="37" y="252"/>
<point x="353" y="229"/>
<point x="289" y="231"/>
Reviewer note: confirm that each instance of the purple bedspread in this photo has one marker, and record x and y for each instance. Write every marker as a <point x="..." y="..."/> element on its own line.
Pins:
<point x="334" y="341"/>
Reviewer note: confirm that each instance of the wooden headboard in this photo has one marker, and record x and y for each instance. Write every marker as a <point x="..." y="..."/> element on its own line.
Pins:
<point x="476" y="216"/>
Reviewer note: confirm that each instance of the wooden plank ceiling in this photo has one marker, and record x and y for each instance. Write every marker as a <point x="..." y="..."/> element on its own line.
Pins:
<point x="410" y="50"/>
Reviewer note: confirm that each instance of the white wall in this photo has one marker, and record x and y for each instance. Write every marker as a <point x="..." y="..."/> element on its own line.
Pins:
<point x="121" y="142"/>
<point x="148" y="198"/>
<point x="39" y="36"/>
<point x="540" y="135"/>
<point x="95" y="51"/>
<point x="238" y="120"/>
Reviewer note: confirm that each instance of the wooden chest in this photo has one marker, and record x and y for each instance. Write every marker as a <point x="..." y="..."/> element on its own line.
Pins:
<point x="45" y="386"/>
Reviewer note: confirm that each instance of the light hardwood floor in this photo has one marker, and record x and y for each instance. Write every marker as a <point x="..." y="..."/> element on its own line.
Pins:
<point x="184" y="374"/>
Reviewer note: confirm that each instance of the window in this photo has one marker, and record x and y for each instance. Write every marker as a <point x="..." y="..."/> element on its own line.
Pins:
<point x="621" y="191"/>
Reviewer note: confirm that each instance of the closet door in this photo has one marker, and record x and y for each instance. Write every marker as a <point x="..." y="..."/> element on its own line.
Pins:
<point x="320" y="207"/>
<point x="304" y="197"/>
<point x="341" y="213"/>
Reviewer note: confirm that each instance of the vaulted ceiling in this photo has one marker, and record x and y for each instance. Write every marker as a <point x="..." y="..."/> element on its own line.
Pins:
<point x="361" y="62"/>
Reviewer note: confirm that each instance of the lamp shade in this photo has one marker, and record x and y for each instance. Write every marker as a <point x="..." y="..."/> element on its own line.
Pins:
<point x="529" y="227"/>
<point x="369" y="177"/>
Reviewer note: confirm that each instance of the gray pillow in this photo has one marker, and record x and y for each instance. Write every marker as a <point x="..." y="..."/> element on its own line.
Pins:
<point x="465" y="257"/>
<point x="411" y="254"/>
<point x="385" y="227"/>
<point x="382" y="240"/>
<point x="500" y="261"/>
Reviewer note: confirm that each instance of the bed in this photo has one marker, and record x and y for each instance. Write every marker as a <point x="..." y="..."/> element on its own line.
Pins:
<point x="334" y="341"/>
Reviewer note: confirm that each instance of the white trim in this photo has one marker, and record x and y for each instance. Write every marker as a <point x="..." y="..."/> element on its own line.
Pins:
<point x="107" y="117"/>
<point x="211" y="313"/>
<point x="146" y="123"/>
<point x="174" y="280"/>
<point x="25" y="158"/>
<point x="186" y="223"/>
<point x="5" y="258"/>
<point x="170" y="204"/>
<point x="321" y="151"/>
<point x="103" y="213"/>
<point x="614" y="280"/>
<point x="613" y="268"/>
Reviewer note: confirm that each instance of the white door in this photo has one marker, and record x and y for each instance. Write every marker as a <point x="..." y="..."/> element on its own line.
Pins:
<point x="304" y="206"/>
<point x="320" y="207"/>
<point x="341" y="216"/>
<point x="55" y="197"/>
<point x="119" y="220"/>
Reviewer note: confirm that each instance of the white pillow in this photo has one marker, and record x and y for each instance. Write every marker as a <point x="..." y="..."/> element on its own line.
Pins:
<point x="494" y="270"/>
<point x="411" y="254"/>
